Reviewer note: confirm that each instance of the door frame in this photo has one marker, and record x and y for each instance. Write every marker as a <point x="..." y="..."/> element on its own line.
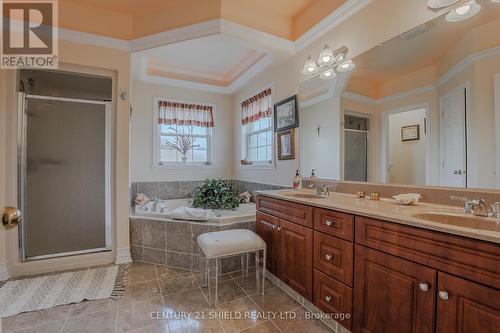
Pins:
<point x="369" y="151"/>
<point x="466" y="86"/>
<point x="384" y="172"/>
<point x="21" y="173"/>
<point x="497" y="128"/>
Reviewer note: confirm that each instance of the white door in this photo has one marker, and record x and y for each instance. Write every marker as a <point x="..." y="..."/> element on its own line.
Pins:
<point x="453" y="139"/>
<point x="497" y="128"/>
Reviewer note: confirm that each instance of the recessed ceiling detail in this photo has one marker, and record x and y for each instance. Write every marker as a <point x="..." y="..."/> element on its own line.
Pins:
<point x="214" y="63"/>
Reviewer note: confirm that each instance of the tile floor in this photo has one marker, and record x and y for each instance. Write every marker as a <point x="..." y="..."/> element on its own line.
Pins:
<point x="170" y="294"/>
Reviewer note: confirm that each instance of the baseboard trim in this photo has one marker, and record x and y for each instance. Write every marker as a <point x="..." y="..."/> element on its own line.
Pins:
<point x="123" y="256"/>
<point x="4" y="272"/>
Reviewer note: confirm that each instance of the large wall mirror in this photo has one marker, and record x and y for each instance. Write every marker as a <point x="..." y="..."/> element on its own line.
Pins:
<point x="421" y="109"/>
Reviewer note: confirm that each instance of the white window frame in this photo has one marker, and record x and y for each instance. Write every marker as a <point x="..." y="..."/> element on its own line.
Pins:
<point x="157" y="164"/>
<point x="245" y="136"/>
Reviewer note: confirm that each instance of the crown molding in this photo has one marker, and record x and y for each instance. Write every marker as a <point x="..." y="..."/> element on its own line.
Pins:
<point x="198" y="30"/>
<point x="335" y="18"/>
<point x="96" y="40"/>
<point x="261" y="38"/>
<point x="374" y="101"/>
<point x="466" y="62"/>
<point x="229" y="89"/>
<point x="358" y="98"/>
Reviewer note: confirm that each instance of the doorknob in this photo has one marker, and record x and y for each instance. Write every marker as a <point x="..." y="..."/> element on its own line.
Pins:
<point x="11" y="217"/>
<point x="457" y="172"/>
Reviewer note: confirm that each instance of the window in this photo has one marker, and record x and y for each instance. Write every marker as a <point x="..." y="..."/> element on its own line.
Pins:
<point x="257" y="130"/>
<point x="184" y="134"/>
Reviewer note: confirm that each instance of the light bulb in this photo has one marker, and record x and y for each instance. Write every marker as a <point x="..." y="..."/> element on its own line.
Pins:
<point x="328" y="74"/>
<point x="346" y="66"/>
<point x="462" y="10"/>
<point x="326" y="56"/>
<point x="310" y="66"/>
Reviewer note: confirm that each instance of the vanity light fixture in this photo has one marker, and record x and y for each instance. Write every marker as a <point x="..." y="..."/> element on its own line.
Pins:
<point x="328" y="62"/>
<point x="463" y="12"/>
<point x="436" y="4"/>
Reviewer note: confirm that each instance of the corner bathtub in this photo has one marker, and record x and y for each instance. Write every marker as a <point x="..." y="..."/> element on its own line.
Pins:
<point x="244" y="213"/>
<point x="160" y="239"/>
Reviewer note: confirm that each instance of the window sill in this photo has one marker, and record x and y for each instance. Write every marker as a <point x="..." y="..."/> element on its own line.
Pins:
<point x="179" y="166"/>
<point x="260" y="166"/>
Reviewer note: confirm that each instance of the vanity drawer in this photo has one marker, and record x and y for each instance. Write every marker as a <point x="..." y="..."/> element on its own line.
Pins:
<point x="333" y="256"/>
<point x="286" y="210"/>
<point x="334" y="223"/>
<point x="333" y="297"/>
<point x="473" y="259"/>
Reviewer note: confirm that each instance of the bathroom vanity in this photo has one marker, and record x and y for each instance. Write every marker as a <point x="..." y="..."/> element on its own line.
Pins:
<point x="392" y="270"/>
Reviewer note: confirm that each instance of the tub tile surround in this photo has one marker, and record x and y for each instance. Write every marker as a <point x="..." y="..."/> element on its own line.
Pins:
<point x="186" y="189"/>
<point x="174" y="243"/>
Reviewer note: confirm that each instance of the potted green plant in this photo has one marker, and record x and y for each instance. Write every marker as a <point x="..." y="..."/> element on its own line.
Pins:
<point x="216" y="194"/>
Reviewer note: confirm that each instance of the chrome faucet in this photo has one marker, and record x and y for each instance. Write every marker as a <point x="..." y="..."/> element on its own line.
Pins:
<point x="477" y="207"/>
<point x="322" y="189"/>
<point x="495" y="210"/>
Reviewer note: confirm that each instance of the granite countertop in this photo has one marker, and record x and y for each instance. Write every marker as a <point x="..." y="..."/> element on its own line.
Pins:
<point x="389" y="210"/>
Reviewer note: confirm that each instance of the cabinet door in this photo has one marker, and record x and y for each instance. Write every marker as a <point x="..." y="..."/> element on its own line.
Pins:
<point x="296" y="257"/>
<point x="266" y="227"/>
<point x="392" y="294"/>
<point x="464" y="306"/>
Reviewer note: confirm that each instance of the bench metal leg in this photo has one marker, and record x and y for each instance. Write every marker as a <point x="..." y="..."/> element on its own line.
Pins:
<point x="216" y="280"/>
<point x="207" y="277"/>
<point x="263" y="270"/>
<point x="245" y="258"/>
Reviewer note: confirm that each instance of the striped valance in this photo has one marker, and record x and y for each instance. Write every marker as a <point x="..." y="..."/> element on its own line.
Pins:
<point x="257" y="107"/>
<point x="175" y="113"/>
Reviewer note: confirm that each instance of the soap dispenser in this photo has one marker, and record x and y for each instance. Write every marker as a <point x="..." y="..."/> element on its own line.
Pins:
<point x="313" y="174"/>
<point x="297" y="180"/>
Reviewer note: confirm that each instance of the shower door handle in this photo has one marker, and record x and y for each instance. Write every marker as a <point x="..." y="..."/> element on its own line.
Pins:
<point x="11" y="217"/>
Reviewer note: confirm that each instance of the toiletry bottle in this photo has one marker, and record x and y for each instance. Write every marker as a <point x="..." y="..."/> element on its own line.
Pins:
<point x="297" y="180"/>
<point x="313" y="175"/>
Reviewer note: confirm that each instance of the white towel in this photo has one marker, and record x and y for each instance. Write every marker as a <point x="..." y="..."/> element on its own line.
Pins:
<point x="191" y="214"/>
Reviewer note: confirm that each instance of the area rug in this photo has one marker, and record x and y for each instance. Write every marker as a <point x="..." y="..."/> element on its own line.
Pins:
<point x="32" y="294"/>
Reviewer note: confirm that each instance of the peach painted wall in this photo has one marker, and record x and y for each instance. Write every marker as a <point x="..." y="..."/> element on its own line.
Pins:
<point x="141" y="134"/>
<point x="85" y="58"/>
<point x="287" y="76"/>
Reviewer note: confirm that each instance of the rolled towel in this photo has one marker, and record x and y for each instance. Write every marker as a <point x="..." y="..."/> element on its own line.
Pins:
<point x="191" y="214"/>
<point x="141" y="199"/>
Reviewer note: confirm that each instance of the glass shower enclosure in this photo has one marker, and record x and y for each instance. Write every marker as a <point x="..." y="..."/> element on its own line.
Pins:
<point x="64" y="180"/>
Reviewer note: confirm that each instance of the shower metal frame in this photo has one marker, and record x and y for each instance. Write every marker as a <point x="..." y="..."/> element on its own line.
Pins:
<point x="21" y="175"/>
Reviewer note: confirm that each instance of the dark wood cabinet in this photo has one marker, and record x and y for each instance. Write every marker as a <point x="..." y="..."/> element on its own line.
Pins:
<point x="333" y="256"/>
<point x="392" y="294"/>
<point x="392" y="278"/>
<point x="464" y="306"/>
<point x="266" y="227"/>
<point x="296" y="257"/>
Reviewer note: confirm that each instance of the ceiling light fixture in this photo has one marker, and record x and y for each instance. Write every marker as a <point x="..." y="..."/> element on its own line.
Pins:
<point x="463" y="12"/>
<point x="328" y="61"/>
<point x="310" y="67"/>
<point x="346" y="66"/>
<point x="436" y="4"/>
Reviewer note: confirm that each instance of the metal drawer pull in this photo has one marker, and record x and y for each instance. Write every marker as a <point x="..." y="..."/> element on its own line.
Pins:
<point x="443" y="295"/>
<point x="279" y="228"/>
<point x="328" y="299"/>
<point x="329" y="223"/>
<point x="328" y="257"/>
<point x="423" y="286"/>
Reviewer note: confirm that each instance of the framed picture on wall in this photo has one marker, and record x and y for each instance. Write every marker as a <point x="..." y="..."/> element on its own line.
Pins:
<point x="286" y="145"/>
<point x="410" y="133"/>
<point x="285" y="114"/>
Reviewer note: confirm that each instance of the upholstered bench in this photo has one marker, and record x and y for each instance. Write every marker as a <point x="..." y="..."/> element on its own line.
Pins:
<point x="220" y="244"/>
